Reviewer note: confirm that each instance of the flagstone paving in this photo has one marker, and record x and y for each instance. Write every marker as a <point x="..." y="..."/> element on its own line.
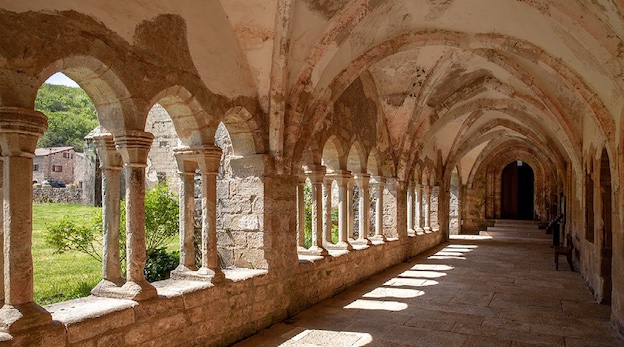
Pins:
<point x="465" y="293"/>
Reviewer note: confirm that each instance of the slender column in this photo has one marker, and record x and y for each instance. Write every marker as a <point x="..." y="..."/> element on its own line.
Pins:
<point x="186" y="169"/>
<point x="301" y="212"/>
<point x="419" y="209"/>
<point x="19" y="132"/>
<point x="316" y="177"/>
<point x="343" y="178"/>
<point x="410" y="207"/>
<point x="379" y="184"/>
<point x="110" y="163"/>
<point x="1" y="231"/>
<point x="350" y="222"/>
<point x="209" y="168"/>
<point x="134" y="147"/>
<point x="362" y="181"/>
<point x="427" y="213"/>
<point x="327" y="209"/>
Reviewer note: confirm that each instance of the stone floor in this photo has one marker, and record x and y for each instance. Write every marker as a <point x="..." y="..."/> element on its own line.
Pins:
<point x="466" y="293"/>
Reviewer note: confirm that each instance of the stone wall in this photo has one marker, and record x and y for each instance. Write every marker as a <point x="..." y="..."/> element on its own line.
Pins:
<point x="188" y="313"/>
<point x="161" y="163"/>
<point x="57" y="195"/>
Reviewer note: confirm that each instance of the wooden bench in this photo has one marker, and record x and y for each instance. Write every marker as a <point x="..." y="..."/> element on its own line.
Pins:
<point x="565" y="250"/>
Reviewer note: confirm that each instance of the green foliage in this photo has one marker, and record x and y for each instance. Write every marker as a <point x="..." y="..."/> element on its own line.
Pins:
<point x="307" y="198"/>
<point x="160" y="263"/>
<point x="161" y="225"/>
<point x="67" y="235"/>
<point x="71" y="116"/>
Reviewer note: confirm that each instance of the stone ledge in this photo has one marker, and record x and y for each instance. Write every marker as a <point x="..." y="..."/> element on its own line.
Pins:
<point x="78" y="310"/>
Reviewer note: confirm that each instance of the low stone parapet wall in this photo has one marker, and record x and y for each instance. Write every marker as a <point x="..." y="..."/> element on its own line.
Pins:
<point x="189" y="313"/>
<point x="57" y="195"/>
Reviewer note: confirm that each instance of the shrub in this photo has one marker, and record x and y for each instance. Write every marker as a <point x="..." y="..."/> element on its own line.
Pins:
<point x="161" y="225"/>
<point x="160" y="263"/>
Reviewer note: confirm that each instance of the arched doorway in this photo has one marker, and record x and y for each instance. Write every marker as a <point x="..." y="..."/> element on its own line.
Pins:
<point x="517" y="196"/>
<point x="606" y="249"/>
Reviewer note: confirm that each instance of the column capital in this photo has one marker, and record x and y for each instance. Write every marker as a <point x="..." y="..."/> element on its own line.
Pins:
<point x="378" y="180"/>
<point x="316" y="174"/>
<point x="134" y="146"/>
<point x="362" y="179"/>
<point x="109" y="156"/>
<point x="187" y="162"/>
<point x="20" y="128"/>
<point x="208" y="157"/>
<point x="342" y="177"/>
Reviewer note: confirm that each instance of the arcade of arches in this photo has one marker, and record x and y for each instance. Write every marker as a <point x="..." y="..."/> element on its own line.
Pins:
<point x="443" y="114"/>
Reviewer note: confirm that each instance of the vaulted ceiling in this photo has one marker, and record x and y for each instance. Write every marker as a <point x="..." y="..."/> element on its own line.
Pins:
<point x="451" y="80"/>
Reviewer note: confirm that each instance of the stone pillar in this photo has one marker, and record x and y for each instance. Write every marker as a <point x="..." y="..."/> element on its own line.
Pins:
<point x="379" y="207"/>
<point x="362" y="181"/>
<point x="301" y="212"/>
<point x="419" y="209"/>
<point x="327" y="209"/>
<point x="410" y="207"/>
<point x="19" y="131"/>
<point x="350" y="221"/>
<point x="110" y="164"/>
<point x="186" y="169"/>
<point x="427" y="208"/>
<point x="343" y="178"/>
<point x="316" y="178"/>
<point x="134" y="147"/>
<point x="210" y="158"/>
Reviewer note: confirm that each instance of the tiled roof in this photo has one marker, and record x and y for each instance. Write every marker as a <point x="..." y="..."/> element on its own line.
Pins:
<point x="50" y="150"/>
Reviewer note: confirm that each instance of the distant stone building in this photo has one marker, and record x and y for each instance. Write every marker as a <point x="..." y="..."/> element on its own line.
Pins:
<point x="55" y="163"/>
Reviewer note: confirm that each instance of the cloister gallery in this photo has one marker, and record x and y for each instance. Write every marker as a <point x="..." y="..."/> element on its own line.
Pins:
<point x="443" y="115"/>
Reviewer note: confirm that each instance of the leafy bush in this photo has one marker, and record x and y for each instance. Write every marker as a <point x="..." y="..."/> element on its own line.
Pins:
<point x="161" y="225"/>
<point x="160" y="263"/>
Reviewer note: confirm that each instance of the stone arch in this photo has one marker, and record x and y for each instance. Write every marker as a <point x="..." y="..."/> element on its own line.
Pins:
<point x="356" y="159"/>
<point x="244" y="141"/>
<point x="115" y="108"/>
<point x="333" y="154"/>
<point x="194" y="126"/>
<point x="374" y="165"/>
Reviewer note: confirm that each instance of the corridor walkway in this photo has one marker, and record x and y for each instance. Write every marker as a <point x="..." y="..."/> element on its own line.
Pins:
<point x="466" y="293"/>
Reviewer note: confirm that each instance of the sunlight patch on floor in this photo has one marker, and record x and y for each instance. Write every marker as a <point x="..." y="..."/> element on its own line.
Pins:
<point x="401" y="293"/>
<point x="313" y="337"/>
<point x="362" y="304"/>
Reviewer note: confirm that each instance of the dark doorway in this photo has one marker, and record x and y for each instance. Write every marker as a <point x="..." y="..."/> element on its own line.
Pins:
<point x="606" y="248"/>
<point x="517" y="191"/>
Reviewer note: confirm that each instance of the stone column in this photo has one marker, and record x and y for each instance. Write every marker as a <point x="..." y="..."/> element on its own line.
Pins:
<point x="19" y="131"/>
<point x="301" y="212"/>
<point x="427" y="212"/>
<point x="379" y="185"/>
<point x="410" y="207"/>
<point x="362" y="181"/>
<point x="186" y="169"/>
<point x="419" y="210"/>
<point x="316" y="178"/>
<point x="209" y="161"/>
<point x="343" y="178"/>
<point x="327" y="209"/>
<point x="350" y="222"/>
<point x="110" y="163"/>
<point x="134" y="146"/>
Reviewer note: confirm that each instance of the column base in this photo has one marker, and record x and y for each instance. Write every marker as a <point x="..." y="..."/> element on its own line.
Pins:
<point x="322" y="251"/>
<point x="344" y="245"/>
<point x="381" y="237"/>
<point x="420" y="231"/>
<point x="366" y="242"/>
<point x="215" y="275"/>
<point x="427" y="230"/>
<point x="23" y="316"/>
<point x="107" y="288"/>
<point x="138" y="290"/>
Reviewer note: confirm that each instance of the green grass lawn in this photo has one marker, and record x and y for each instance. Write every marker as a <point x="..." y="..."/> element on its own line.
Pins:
<point x="69" y="275"/>
<point x="64" y="276"/>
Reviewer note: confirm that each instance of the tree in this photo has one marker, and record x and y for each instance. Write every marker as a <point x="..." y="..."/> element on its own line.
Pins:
<point x="71" y="116"/>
